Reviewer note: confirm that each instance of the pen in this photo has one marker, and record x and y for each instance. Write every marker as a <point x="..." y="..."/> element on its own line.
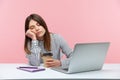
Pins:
<point x="30" y="67"/>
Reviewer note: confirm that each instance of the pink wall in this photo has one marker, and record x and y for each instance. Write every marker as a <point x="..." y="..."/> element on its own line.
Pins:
<point x="75" y="20"/>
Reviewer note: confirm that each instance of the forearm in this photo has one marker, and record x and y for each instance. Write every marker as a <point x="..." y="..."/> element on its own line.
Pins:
<point x="65" y="62"/>
<point x="33" y="60"/>
<point x="34" y="57"/>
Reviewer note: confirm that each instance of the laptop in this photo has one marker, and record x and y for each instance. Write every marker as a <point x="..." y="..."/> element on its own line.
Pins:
<point x="86" y="57"/>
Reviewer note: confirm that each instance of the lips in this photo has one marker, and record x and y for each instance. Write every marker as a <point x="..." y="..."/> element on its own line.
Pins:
<point x="39" y="32"/>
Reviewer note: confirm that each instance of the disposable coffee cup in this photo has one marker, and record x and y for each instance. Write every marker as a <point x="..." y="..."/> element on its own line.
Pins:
<point x="45" y="57"/>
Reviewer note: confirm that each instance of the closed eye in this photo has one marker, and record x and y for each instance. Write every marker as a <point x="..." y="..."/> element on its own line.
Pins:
<point x="37" y="24"/>
<point x="32" y="27"/>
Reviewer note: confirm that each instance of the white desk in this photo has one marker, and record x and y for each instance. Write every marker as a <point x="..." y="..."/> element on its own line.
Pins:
<point x="9" y="71"/>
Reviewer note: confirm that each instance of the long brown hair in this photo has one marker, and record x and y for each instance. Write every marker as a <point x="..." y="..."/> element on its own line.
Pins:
<point x="47" y="40"/>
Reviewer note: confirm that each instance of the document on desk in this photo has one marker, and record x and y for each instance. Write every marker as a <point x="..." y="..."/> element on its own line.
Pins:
<point x="30" y="68"/>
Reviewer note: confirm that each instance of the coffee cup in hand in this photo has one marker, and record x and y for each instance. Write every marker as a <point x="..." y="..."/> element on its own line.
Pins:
<point x="45" y="57"/>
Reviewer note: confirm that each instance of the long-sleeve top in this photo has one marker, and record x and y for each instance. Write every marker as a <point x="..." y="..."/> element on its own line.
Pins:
<point x="58" y="46"/>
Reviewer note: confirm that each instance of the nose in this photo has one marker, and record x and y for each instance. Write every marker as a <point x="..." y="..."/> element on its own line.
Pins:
<point x="37" y="29"/>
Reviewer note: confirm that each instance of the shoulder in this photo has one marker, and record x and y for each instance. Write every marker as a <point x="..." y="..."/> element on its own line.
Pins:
<point x="56" y="36"/>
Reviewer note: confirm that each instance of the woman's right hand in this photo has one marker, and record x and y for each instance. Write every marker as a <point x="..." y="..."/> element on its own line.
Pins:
<point x="31" y="34"/>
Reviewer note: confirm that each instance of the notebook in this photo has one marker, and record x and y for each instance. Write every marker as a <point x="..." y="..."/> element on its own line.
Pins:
<point x="30" y="68"/>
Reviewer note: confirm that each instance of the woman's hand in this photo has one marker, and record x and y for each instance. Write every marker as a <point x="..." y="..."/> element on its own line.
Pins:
<point x="53" y="63"/>
<point x="31" y="34"/>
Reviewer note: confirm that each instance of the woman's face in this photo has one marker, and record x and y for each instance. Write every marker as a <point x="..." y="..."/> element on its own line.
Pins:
<point x="37" y="28"/>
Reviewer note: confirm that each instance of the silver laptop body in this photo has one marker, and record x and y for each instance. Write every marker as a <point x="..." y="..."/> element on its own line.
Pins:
<point x="86" y="57"/>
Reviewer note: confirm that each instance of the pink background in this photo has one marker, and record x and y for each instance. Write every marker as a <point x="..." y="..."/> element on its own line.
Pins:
<point x="76" y="20"/>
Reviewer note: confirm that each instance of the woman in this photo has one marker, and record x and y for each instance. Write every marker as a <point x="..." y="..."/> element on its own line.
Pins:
<point x="39" y="40"/>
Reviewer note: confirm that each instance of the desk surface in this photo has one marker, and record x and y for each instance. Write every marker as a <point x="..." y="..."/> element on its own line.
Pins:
<point x="9" y="71"/>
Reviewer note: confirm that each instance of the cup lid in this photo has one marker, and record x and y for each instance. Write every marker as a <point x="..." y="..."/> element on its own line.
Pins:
<point x="47" y="54"/>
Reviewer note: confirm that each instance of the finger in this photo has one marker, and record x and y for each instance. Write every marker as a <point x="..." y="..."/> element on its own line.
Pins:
<point x="50" y="64"/>
<point x="49" y="60"/>
<point x="33" y="31"/>
<point x="27" y="32"/>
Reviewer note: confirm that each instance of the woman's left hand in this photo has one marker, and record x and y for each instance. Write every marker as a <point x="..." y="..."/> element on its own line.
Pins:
<point x="53" y="63"/>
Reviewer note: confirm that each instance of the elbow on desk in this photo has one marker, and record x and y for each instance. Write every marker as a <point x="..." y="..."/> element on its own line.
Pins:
<point x="34" y="63"/>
